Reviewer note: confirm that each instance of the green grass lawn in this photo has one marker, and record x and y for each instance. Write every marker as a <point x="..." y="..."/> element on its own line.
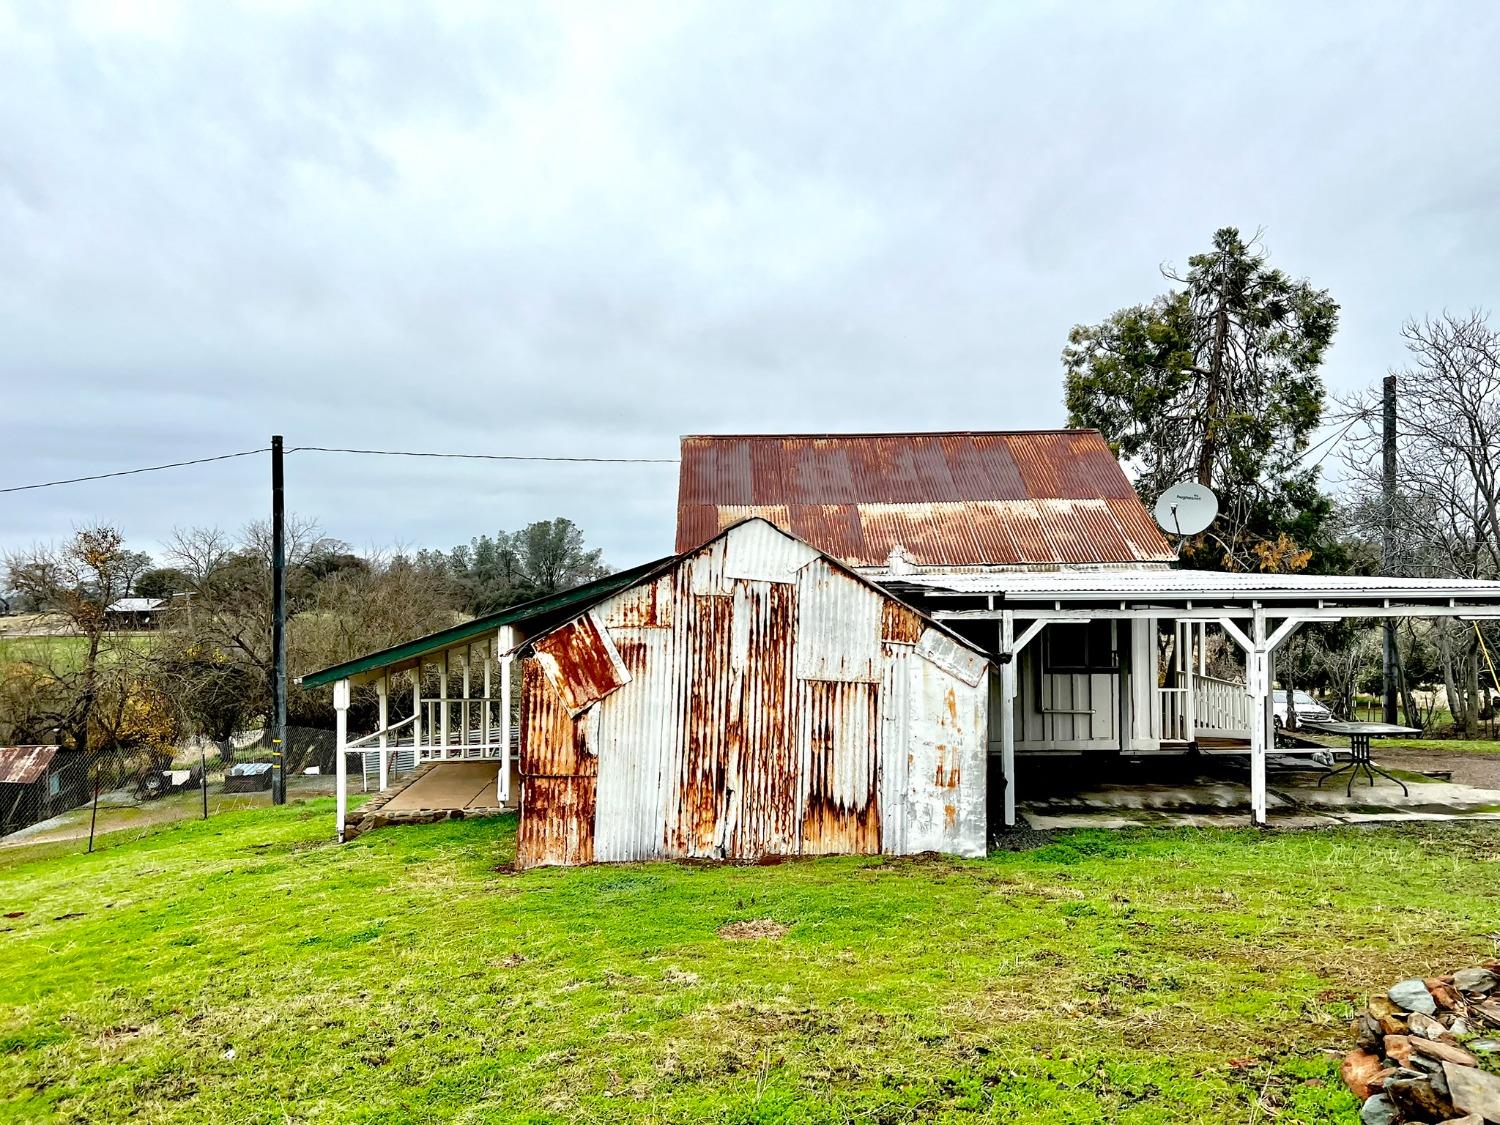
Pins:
<point x="66" y="653"/>
<point x="1469" y="745"/>
<point x="245" y="969"/>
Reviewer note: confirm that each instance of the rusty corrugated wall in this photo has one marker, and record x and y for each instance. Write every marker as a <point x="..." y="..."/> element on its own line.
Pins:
<point x="1039" y="498"/>
<point x="754" y="700"/>
<point x="22" y="765"/>
<point x="559" y="775"/>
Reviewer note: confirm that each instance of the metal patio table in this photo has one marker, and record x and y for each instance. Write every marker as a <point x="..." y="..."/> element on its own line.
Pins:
<point x="1359" y="735"/>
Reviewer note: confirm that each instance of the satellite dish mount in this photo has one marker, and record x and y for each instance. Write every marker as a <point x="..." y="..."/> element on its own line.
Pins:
<point x="1186" y="508"/>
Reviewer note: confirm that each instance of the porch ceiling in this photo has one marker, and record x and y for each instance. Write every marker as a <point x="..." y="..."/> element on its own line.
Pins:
<point x="1204" y="590"/>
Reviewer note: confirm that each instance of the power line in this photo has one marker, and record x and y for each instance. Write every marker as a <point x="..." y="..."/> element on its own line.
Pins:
<point x="1335" y="439"/>
<point x="488" y="456"/>
<point x="331" y="449"/>
<point x="132" y="472"/>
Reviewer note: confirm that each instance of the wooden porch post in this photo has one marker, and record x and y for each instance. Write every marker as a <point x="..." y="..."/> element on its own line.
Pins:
<point x="1257" y="677"/>
<point x="1008" y="714"/>
<point x="383" y="693"/>
<point x="505" y="640"/>
<point x="1125" y="647"/>
<point x="484" y="708"/>
<point x="463" y="709"/>
<point x="443" y="706"/>
<point x="1187" y="662"/>
<point x="340" y="744"/>
<point x="416" y="711"/>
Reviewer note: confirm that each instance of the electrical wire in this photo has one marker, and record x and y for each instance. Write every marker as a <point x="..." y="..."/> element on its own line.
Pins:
<point x="132" y="472"/>
<point x="331" y="449"/>
<point x="1334" y="438"/>
<point x="486" y="456"/>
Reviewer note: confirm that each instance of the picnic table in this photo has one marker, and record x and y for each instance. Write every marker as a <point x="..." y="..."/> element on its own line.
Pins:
<point x="1359" y="735"/>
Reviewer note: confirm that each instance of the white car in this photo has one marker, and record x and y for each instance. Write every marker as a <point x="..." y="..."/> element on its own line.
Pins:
<point x="1309" y="710"/>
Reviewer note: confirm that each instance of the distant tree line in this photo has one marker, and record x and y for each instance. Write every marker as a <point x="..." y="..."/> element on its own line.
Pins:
<point x="206" y="669"/>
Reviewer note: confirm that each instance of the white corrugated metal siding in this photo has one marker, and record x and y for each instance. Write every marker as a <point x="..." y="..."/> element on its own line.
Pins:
<point x="773" y="703"/>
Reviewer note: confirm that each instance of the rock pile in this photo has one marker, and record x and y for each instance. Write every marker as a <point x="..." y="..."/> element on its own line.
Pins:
<point x="1427" y="1049"/>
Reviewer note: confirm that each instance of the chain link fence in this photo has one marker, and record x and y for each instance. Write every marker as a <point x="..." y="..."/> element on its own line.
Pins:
<point x="54" y="795"/>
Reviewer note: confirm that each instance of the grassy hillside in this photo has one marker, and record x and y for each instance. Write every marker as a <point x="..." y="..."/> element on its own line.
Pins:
<point x="66" y="653"/>
<point x="244" y="969"/>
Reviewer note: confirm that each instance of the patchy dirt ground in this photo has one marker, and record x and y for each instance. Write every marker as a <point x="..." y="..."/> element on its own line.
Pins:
<point x="1479" y="770"/>
<point x="753" y="929"/>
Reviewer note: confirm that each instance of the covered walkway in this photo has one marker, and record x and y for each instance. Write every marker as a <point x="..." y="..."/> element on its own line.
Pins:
<point x="448" y="698"/>
<point x="1255" y="612"/>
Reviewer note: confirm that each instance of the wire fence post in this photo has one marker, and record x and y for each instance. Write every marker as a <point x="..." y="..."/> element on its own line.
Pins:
<point x="203" y="779"/>
<point x="94" y="815"/>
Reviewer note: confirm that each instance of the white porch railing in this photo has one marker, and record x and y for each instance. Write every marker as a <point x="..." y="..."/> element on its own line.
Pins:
<point x="1174" y="714"/>
<point x="461" y="727"/>
<point x="1223" y="706"/>
<point x="1218" y="707"/>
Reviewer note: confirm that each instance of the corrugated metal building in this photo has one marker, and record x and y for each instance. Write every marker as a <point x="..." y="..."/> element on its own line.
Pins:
<point x="37" y="782"/>
<point x="750" y="697"/>
<point x="1034" y="499"/>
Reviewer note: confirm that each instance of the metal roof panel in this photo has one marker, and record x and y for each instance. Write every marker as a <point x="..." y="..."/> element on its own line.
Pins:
<point x="970" y="498"/>
<point x="21" y="765"/>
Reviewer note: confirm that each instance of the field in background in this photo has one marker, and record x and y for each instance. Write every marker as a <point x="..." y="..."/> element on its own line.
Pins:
<point x="63" y="653"/>
<point x="244" y="968"/>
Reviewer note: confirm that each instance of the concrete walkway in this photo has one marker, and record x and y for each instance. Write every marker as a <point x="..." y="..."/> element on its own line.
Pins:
<point x="1215" y="792"/>
<point x="449" y="785"/>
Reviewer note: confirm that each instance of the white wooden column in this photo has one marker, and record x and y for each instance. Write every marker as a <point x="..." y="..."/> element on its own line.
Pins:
<point x="443" y="705"/>
<point x="383" y="694"/>
<point x="1125" y="650"/>
<point x="1008" y="714"/>
<point x="1257" y="683"/>
<point x="484" y="708"/>
<point x="416" y="713"/>
<point x="505" y="640"/>
<point x="463" y="735"/>
<point x="340" y="744"/>
<point x="1186" y="664"/>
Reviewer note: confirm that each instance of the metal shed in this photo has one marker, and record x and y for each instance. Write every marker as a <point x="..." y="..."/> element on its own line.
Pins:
<point x="750" y="697"/>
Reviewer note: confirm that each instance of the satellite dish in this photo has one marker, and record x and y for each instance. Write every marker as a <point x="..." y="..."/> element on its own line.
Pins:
<point x="1186" y="508"/>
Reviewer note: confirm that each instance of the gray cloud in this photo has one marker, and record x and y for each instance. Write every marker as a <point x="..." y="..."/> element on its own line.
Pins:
<point x="587" y="229"/>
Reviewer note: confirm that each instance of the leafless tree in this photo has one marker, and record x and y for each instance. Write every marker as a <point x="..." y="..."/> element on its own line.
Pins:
<point x="83" y="696"/>
<point x="1445" y="519"/>
<point x="216" y="645"/>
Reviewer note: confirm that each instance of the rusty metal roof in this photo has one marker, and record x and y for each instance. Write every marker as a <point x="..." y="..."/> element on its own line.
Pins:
<point x="21" y="765"/>
<point x="1022" y="498"/>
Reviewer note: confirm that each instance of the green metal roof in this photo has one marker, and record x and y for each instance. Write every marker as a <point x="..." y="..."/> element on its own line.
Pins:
<point x="560" y="605"/>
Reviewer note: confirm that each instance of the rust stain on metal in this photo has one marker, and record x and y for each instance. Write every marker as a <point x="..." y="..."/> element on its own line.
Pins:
<point x="841" y="813"/>
<point x="581" y="662"/>
<point x="558" y="774"/>
<point x="716" y="740"/>
<point x="900" y="624"/>
<point x="22" y="765"/>
<point x="761" y="811"/>
<point x="648" y="606"/>
<point x="706" y="736"/>
<point x="946" y="499"/>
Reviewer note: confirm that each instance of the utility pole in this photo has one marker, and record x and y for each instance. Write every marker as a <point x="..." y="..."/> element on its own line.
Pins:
<point x="278" y="627"/>
<point x="1388" y="544"/>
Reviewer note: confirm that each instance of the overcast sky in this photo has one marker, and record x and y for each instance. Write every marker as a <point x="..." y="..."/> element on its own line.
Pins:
<point x="587" y="229"/>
